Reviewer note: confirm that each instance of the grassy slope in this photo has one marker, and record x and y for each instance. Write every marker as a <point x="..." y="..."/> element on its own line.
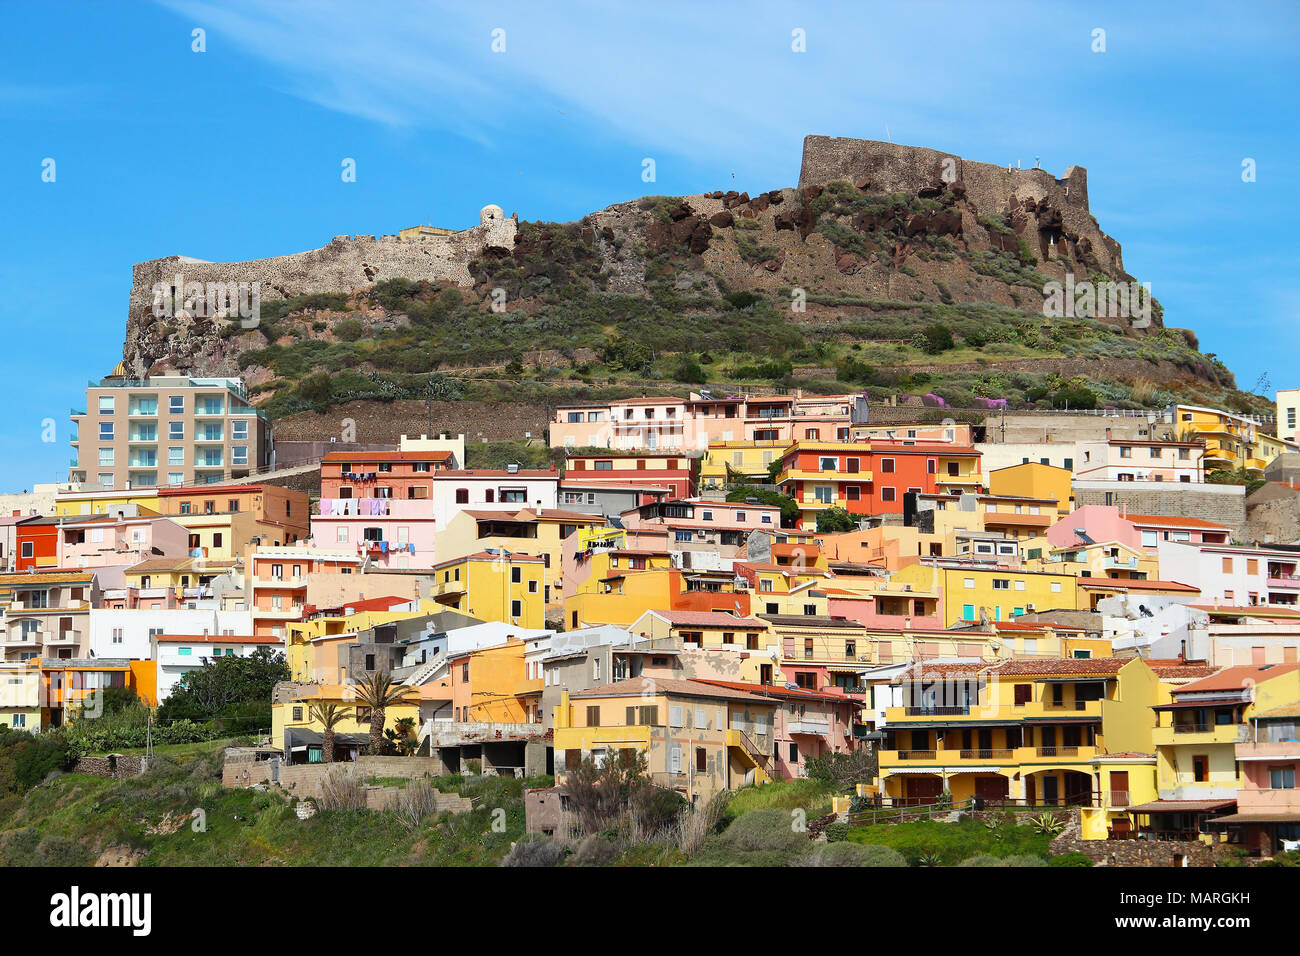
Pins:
<point x="75" y="819"/>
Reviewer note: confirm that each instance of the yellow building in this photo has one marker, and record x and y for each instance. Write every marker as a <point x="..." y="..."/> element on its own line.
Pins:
<point x="1198" y="729"/>
<point x="755" y="646"/>
<point x="1101" y="559"/>
<point x="20" y="695"/>
<point x="698" y="738"/>
<point x="1232" y="442"/>
<point x="293" y="725"/>
<point x="730" y="462"/>
<point x="539" y="532"/>
<point x="107" y="502"/>
<point x="972" y="593"/>
<point x="1033" y="479"/>
<point x="176" y="573"/>
<point x="1033" y="732"/>
<point x="311" y="646"/>
<point x="493" y="586"/>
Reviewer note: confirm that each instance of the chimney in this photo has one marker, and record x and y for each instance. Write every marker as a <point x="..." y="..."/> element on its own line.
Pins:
<point x="1123" y="509"/>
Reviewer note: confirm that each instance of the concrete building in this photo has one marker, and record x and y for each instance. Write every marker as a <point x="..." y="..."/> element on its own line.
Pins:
<point x="169" y="430"/>
<point x="1288" y="409"/>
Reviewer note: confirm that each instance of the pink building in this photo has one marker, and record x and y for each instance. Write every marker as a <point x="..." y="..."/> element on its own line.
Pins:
<point x="649" y="424"/>
<point x="807" y="724"/>
<point x="106" y="541"/>
<point x="1098" y="523"/>
<point x="887" y="608"/>
<point x="1268" y="803"/>
<point x="396" y="533"/>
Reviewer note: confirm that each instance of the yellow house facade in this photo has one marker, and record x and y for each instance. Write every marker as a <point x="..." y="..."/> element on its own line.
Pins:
<point x="1001" y="594"/>
<point x="697" y="738"/>
<point x="501" y="586"/>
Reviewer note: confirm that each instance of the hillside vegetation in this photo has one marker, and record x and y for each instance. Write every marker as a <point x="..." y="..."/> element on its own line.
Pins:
<point x="830" y="288"/>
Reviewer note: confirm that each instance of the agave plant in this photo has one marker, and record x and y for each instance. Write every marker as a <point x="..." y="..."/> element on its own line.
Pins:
<point x="1046" y="823"/>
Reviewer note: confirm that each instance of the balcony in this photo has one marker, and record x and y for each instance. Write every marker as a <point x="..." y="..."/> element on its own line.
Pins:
<point x="1191" y="733"/>
<point x="1290" y="581"/>
<point x="279" y="614"/>
<point x="929" y="710"/>
<point x="813" y="728"/>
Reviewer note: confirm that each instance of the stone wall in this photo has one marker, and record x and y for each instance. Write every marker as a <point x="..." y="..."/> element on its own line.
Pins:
<point x="892" y="167"/>
<point x="348" y="262"/>
<point x="116" y="766"/>
<point x="242" y="770"/>
<point x="1274" y="522"/>
<point x="1137" y="852"/>
<point x="1224" y="504"/>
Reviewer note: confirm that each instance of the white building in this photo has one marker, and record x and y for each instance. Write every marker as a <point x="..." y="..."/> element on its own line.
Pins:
<point x="129" y="632"/>
<point x="1288" y="414"/>
<point x="487" y="489"/>
<point x="178" y="654"/>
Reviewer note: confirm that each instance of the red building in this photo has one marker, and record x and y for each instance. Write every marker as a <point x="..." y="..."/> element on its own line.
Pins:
<point x="381" y="474"/>
<point x="871" y="478"/>
<point x="654" y="477"/>
<point x="36" y="543"/>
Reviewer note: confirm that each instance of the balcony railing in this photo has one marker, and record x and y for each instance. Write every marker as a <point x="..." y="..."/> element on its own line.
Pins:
<point x="926" y="710"/>
<point x="1057" y="751"/>
<point x="986" y="754"/>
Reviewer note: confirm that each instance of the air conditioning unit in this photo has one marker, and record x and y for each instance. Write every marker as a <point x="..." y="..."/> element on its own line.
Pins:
<point x="1031" y="607"/>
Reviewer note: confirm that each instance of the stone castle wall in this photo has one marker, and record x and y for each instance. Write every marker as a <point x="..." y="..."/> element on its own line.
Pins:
<point x="895" y="168"/>
<point x="346" y="263"/>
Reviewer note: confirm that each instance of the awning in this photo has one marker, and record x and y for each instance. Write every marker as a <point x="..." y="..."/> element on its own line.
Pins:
<point x="301" y="738"/>
<point x="1260" y="817"/>
<point x="1182" y="806"/>
<point x="939" y="771"/>
<point x="1208" y="702"/>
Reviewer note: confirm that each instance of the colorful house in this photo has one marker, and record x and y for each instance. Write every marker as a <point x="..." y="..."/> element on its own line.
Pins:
<point x="698" y="738"/>
<point x="493" y="585"/>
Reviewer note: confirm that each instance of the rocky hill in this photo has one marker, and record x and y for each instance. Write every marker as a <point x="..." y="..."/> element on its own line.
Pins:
<point x="889" y="269"/>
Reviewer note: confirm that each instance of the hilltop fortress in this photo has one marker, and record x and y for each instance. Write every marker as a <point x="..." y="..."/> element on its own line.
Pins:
<point x="994" y="204"/>
<point x="1059" y="206"/>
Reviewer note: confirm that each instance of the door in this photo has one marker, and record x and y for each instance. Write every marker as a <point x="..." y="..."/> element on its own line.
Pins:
<point x="991" y="788"/>
<point x="765" y="674"/>
<point x="923" y="790"/>
<point x="1051" y="790"/>
<point x="1119" y="788"/>
<point x="986" y="747"/>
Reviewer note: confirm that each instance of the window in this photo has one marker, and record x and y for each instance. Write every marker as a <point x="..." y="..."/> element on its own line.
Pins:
<point x="176" y="456"/>
<point x="887" y="465"/>
<point x="593" y="716"/>
<point x="462" y="496"/>
<point x="824" y="494"/>
<point x="888" y="494"/>
<point x="1201" y="768"/>
<point x="514" y="495"/>
<point x="1227" y="565"/>
<point x="1002" y="584"/>
<point x="105" y="431"/>
<point x="1281" y="778"/>
<point x="176" y="404"/>
<point x="1024" y="693"/>
<point x="1125" y="451"/>
<point x="239" y="455"/>
<point x="516" y="575"/>
<point x="516" y="609"/>
<point x="740" y="516"/>
<point x="176" y="431"/>
<point x="808" y="647"/>
<point x="106" y="404"/>
<point x="706" y="515"/>
<point x="239" y="430"/>
<point x="830" y="464"/>
<point x="106" y="457"/>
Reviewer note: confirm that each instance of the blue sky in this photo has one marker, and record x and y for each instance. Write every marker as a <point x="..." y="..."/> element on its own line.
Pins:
<point x="236" y="152"/>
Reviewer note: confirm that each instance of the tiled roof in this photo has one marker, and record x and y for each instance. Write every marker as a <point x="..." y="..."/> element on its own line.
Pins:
<point x="40" y="577"/>
<point x="940" y="670"/>
<point x="768" y="690"/>
<point x="1062" y="667"/>
<point x="363" y="457"/>
<point x="218" y="639"/>
<point x="707" y="619"/>
<point x="1236" y="678"/>
<point x="1285" y="710"/>
<point x="1137" y="585"/>
<point x="1172" y="521"/>
<point x="809" y="620"/>
<point x="636" y="687"/>
<point x="1178" y="670"/>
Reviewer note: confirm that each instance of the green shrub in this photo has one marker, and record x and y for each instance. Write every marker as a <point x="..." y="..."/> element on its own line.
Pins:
<point x="764" y="830"/>
<point x="837" y="832"/>
<point x="1073" y="858"/>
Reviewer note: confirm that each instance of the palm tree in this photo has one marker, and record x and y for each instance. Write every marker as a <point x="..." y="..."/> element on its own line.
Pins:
<point x="379" y="692"/>
<point x="329" y="716"/>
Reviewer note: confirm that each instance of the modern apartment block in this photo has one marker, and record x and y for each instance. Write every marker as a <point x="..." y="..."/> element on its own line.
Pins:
<point x="168" y="430"/>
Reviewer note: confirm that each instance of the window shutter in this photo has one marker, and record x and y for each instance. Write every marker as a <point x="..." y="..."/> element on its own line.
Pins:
<point x="701" y="719"/>
<point x="675" y="759"/>
<point x="631" y="716"/>
<point x="675" y="715"/>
